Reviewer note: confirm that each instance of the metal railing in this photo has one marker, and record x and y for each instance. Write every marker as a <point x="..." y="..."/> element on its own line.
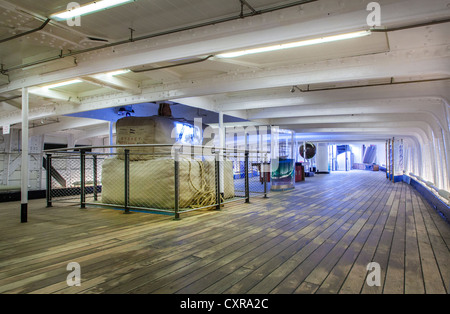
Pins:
<point x="164" y="179"/>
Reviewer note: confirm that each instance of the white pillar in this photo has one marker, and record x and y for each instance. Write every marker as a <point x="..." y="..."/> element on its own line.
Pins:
<point x="322" y="157"/>
<point x="274" y="149"/>
<point x="111" y="138"/>
<point x="446" y="162"/>
<point x="292" y="148"/>
<point x="222" y="146"/>
<point x="24" y="166"/>
<point x="435" y="154"/>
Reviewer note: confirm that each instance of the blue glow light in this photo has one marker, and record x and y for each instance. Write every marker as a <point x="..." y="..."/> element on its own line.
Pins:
<point x="188" y="134"/>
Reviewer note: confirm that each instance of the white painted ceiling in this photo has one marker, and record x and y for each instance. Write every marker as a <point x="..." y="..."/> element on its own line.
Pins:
<point x="392" y="83"/>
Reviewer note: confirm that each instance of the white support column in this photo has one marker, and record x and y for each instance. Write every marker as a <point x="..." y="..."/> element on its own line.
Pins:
<point x="406" y="158"/>
<point x="24" y="167"/>
<point x="440" y="161"/>
<point x="422" y="161"/>
<point x="446" y="157"/>
<point x="435" y="153"/>
<point x="111" y="137"/>
<point x="274" y="153"/>
<point x="433" y="167"/>
<point x="293" y="147"/>
<point x="7" y="160"/>
<point x="417" y="159"/>
<point x="222" y="146"/>
<point x="322" y="157"/>
<point x="41" y="156"/>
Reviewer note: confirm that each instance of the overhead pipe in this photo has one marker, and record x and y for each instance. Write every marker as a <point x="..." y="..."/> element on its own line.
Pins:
<point x="173" y="65"/>
<point x="400" y="28"/>
<point x="27" y="32"/>
<point x="308" y="90"/>
<point x="173" y="31"/>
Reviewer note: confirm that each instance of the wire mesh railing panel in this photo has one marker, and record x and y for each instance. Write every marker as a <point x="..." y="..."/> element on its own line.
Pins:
<point x="66" y="177"/>
<point x="172" y="181"/>
<point x="236" y="161"/>
<point x="259" y="178"/>
<point x="258" y="173"/>
<point x="94" y="193"/>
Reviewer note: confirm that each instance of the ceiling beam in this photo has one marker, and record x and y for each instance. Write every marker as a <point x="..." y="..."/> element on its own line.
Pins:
<point x="341" y="70"/>
<point x="116" y="83"/>
<point x="204" y="102"/>
<point x="101" y="130"/>
<point x="390" y="129"/>
<point x="57" y="95"/>
<point x="65" y="123"/>
<point x="393" y="106"/>
<point x="263" y="29"/>
<point x="283" y="97"/>
<point x="12" y="104"/>
<point x="338" y="70"/>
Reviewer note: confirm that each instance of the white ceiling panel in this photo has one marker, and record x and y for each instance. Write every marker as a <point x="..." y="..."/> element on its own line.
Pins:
<point x="368" y="75"/>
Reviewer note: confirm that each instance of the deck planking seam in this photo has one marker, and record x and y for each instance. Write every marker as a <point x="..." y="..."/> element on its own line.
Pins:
<point x="315" y="282"/>
<point x="215" y="252"/>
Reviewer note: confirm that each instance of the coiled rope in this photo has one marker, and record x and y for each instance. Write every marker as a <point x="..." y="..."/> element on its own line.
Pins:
<point x="205" y="195"/>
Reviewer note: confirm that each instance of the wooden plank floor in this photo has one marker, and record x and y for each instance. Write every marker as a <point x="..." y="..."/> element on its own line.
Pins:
<point x="318" y="238"/>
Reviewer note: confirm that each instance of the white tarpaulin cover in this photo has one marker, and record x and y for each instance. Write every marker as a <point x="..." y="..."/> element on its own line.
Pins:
<point x="152" y="183"/>
<point x="154" y="130"/>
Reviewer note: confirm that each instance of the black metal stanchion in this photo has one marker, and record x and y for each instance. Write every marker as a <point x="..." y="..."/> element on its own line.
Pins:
<point x="218" y="195"/>
<point x="127" y="181"/>
<point x="264" y="173"/>
<point x="393" y="164"/>
<point x="177" y="185"/>
<point x="48" y="166"/>
<point x="83" y="178"/>
<point x="94" y="170"/>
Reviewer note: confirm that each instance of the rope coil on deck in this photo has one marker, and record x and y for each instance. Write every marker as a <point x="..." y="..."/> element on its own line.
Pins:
<point x="205" y="195"/>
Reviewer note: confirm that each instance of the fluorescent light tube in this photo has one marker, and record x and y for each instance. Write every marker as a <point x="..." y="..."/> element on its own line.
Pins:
<point x="62" y="84"/>
<point x="87" y="9"/>
<point x="297" y="44"/>
<point x="119" y="72"/>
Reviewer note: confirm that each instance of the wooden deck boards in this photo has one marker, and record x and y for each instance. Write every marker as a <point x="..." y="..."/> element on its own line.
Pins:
<point x="318" y="238"/>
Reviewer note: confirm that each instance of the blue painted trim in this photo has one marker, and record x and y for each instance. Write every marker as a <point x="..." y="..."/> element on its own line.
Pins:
<point x="406" y="179"/>
<point x="396" y="178"/>
<point x="442" y="208"/>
